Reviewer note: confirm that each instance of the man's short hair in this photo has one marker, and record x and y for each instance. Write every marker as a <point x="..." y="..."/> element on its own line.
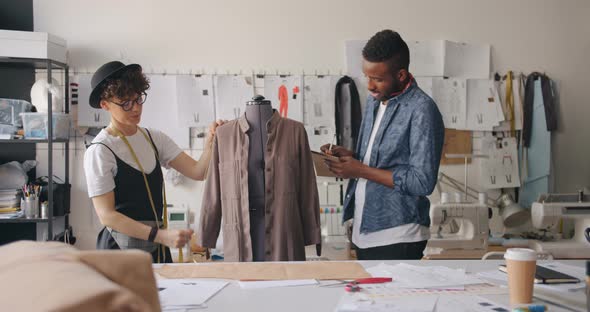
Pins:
<point x="387" y="46"/>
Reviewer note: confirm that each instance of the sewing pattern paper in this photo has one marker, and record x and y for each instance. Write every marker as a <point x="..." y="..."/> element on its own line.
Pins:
<point x="196" y="103"/>
<point x="484" y="110"/>
<point x="500" y="169"/>
<point x="318" y="102"/>
<point x="285" y="93"/>
<point x="451" y="97"/>
<point x="163" y="109"/>
<point x="231" y="94"/>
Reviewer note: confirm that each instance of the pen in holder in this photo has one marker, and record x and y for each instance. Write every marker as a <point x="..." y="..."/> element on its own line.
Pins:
<point x="30" y="205"/>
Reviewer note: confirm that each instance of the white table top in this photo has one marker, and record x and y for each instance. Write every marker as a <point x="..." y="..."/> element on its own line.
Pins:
<point x="315" y="298"/>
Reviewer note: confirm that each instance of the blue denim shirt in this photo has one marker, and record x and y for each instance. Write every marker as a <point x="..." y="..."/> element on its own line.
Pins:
<point x="408" y="143"/>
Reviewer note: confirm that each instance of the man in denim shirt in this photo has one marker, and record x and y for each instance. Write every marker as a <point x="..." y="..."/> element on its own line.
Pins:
<point x="395" y="164"/>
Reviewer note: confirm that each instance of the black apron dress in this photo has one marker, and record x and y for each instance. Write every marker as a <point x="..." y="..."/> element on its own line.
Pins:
<point x="132" y="200"/>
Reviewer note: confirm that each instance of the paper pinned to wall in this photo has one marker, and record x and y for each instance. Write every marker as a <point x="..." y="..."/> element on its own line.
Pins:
<point x="160" y="110"/>
<point x="450" y="96"/>
<point x="484" y="110"/>
<point x="353" y="50"/>
<point x="319" y="136"/>
<point x="467" y="60"/>
<point x="500" y="169"/>
<point x="285" y="92"/>
<point x="426" y="84"/>
<point x="319" y="97"/>
<point x="196" y="104"/>
<point x="231" y="94"/>
<point x="427" y="57"/>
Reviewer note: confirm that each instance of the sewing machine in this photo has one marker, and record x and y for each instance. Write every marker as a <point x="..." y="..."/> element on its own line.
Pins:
<point x="546" y="214"/>
<point x="472" y="220"/>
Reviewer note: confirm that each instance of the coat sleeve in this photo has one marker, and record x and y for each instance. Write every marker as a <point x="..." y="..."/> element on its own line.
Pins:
<point x="210" y="219"/>
<point x="309" y="204"/>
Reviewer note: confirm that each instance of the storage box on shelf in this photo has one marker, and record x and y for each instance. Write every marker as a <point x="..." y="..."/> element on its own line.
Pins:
<point x="10" y="110"/>
<point x="35" y="125"/>
<point x="29" y="44"/>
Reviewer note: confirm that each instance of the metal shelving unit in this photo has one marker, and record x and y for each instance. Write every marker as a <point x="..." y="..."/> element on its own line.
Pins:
<point x="50" y="66"/>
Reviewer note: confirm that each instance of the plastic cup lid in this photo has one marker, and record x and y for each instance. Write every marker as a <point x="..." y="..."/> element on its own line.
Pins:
<point x="520" y="254"/>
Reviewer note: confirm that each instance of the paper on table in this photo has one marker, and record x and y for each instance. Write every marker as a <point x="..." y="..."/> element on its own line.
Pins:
<point x="468" y="303"/>
<point x="411" y="276"/>
<point x="358" y="302"/>
<point x="320" y="166"/>
<point x="322" y="270"/>
<point x="187" y="292"/>
<point x="271" y="284"/>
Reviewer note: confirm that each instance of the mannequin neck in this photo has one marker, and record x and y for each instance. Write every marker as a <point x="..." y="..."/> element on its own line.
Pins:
<point x="258" y="115"/>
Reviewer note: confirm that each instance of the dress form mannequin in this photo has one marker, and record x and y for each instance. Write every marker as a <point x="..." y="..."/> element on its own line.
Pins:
<point x="258" y="112"/>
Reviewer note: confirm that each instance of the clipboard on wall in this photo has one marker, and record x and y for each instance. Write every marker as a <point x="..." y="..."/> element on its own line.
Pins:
<point x="321" y="169"/>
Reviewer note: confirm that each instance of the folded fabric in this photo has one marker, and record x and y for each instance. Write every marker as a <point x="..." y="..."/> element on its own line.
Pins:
<point x="52" y="276"/>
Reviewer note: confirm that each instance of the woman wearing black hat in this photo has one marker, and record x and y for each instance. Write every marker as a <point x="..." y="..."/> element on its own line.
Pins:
<point x="122" y="172"/>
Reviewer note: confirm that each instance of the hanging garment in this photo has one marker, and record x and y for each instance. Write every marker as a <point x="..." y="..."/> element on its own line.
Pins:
<point x="530" y="97"/>
<point x="537" y="155"/>
<point x="291" y="201"/>
<point x="348" y="113"/>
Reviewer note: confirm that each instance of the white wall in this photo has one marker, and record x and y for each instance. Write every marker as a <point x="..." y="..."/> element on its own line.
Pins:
<point x="308" y="35"/>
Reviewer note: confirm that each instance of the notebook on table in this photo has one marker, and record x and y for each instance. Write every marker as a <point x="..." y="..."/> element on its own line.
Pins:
<point x="545" y="275"/>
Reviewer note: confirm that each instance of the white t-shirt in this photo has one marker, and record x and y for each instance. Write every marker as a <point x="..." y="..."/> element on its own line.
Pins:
<point x="407" y="233"/>
<point x="100" y="164"/>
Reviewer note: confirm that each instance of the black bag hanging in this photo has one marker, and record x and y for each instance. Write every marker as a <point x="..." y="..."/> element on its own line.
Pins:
<point x="548" y="103"/>
<point x="61" y="195"/>
<point x="348" y="114"/>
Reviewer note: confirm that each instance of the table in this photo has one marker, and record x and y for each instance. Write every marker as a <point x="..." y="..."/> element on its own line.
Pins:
<point x="315" y="298"/>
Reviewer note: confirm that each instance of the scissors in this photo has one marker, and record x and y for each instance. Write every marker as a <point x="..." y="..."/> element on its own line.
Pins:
<point x="353" y="286"/>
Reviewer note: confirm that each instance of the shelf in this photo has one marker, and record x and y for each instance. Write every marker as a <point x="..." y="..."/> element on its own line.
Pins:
<point x="36" y="63"/>
<point x="29" y="141"/>
<point x="25" y="220"/>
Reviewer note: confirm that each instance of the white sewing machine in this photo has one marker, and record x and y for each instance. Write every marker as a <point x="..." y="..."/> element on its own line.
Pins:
<point x="472" y="219"/>
<point x="546" y="214"/>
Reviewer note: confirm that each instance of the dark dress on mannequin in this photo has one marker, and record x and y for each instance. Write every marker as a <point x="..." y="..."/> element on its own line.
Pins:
<point x="258" y="113"/>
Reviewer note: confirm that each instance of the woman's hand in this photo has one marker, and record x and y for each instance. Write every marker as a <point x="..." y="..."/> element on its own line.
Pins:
<point x="174" y="238"/>
<point x="212" y="128"/>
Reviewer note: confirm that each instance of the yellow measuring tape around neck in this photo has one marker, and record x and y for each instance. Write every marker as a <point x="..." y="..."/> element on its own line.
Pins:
<point x="120" y="134"/>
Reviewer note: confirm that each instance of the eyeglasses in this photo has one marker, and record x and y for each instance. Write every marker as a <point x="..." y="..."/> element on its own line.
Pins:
<point x="128" y="105"/>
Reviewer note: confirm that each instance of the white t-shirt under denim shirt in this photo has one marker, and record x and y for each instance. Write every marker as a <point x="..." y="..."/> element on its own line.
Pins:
<point x="407" y="233"/>
<point x="100" y="165"/>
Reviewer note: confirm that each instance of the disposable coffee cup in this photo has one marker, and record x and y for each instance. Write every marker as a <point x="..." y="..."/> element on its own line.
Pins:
<point x="521" y="264"/>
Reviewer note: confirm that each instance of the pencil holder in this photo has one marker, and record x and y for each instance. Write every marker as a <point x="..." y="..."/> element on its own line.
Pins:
<point x="30" y="205"/>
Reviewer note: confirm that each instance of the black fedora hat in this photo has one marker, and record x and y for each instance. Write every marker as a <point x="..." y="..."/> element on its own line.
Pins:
<point x="108" y="70"/>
